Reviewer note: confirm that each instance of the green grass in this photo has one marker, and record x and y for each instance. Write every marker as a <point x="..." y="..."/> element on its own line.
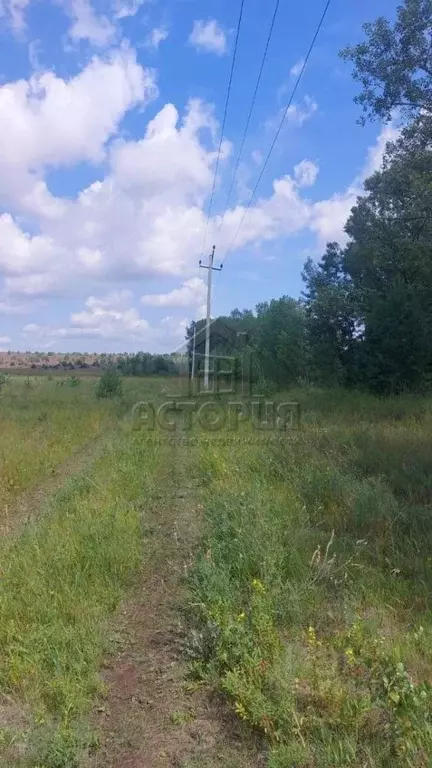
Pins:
<point x="310" y="596"/>
<point x="44" y="419"/>
<point x="41" y="424"/>
<point x="311" y="592"/>
<point x="61" y="579"/>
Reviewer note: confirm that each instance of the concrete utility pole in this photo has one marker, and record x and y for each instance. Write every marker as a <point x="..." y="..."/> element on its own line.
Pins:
<point x="210" y="269"/>
<point x="193" y="352"/>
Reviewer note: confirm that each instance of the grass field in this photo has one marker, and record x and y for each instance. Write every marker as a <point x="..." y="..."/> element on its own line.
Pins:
<point x="314" y="583"/>
<point x="309" y="595"/>
<point x="42" y="421"/>
<point x="66" y="571"/>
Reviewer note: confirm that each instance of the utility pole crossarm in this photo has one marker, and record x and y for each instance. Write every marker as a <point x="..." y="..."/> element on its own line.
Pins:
<point x="210" y="265"/>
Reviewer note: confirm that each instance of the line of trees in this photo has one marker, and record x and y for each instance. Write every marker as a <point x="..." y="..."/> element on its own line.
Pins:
<point x="146" y="364"/>
<point x="365" y="317"/>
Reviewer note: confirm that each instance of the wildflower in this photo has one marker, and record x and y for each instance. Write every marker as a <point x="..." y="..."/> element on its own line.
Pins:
<point x="258" y="586"/>
<point x="312" y="638"/>
<point x="241" y="710"/>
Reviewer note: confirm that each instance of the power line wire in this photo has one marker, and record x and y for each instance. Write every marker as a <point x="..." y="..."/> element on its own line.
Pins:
<point x="272" y="146"/>
<point x="223" y="122"/>
<point x="267" y="45"/>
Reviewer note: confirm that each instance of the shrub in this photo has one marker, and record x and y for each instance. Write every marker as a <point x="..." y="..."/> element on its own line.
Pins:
<point x="109" y="385"/>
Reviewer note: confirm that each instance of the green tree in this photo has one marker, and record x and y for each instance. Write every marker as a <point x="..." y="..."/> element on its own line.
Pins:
<point x="331" y="320"/>
<point x="395" y="350"/>
<point x="394" y="64"/>
<point x="109" y="385"/>
<point x="223" y="338"/>
<point x="281" y="340"/>
<point x="389" y="256"/>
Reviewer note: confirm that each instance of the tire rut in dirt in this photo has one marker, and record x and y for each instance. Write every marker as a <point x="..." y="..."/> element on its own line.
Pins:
<point x="148" y="719"/>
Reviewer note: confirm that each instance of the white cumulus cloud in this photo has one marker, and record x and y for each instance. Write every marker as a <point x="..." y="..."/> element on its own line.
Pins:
<point x="14" y="12"/>
<point x="208" y="36"/>
<point x="297" y="68"/>
<point x="299" y="113"/>
<point x="50" y="122"/>
<point x="112" y="319"/>
<point x="109" y="317"/>
<point x="99" y="29"/>
<point x="127" y="8"/>
<point x="87" y="25"/>
<point x="330" y="216"/>
<point x="296" y="115"/>
<point x="157" y="36"/>
<point x="191" y="293"/>
<point x="305" y="173"/>
<point x="145" y="217"/>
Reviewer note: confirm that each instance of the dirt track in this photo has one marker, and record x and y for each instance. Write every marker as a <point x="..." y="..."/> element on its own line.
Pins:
<point x="148" y="719"/>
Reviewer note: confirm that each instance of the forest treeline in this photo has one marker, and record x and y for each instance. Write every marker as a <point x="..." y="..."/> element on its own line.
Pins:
<point x="365" y="316"/>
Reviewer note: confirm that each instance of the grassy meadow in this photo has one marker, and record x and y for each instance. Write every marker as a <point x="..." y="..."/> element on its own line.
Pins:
<point x="66" y="571"/>
<point x="43" y="421"/>
<point x="312" y="590"/>
<point x="310" y="593"/>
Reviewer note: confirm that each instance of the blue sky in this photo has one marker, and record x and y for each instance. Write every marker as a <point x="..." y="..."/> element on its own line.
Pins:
<point x="110" y="116"/>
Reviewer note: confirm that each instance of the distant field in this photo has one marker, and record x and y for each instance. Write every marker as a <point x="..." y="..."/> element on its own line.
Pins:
<point x="39" y="371"/>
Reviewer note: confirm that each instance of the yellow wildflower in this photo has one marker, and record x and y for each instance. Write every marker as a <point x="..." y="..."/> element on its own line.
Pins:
<point x="258" y="586"/>
<point x="240" y="710"/>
